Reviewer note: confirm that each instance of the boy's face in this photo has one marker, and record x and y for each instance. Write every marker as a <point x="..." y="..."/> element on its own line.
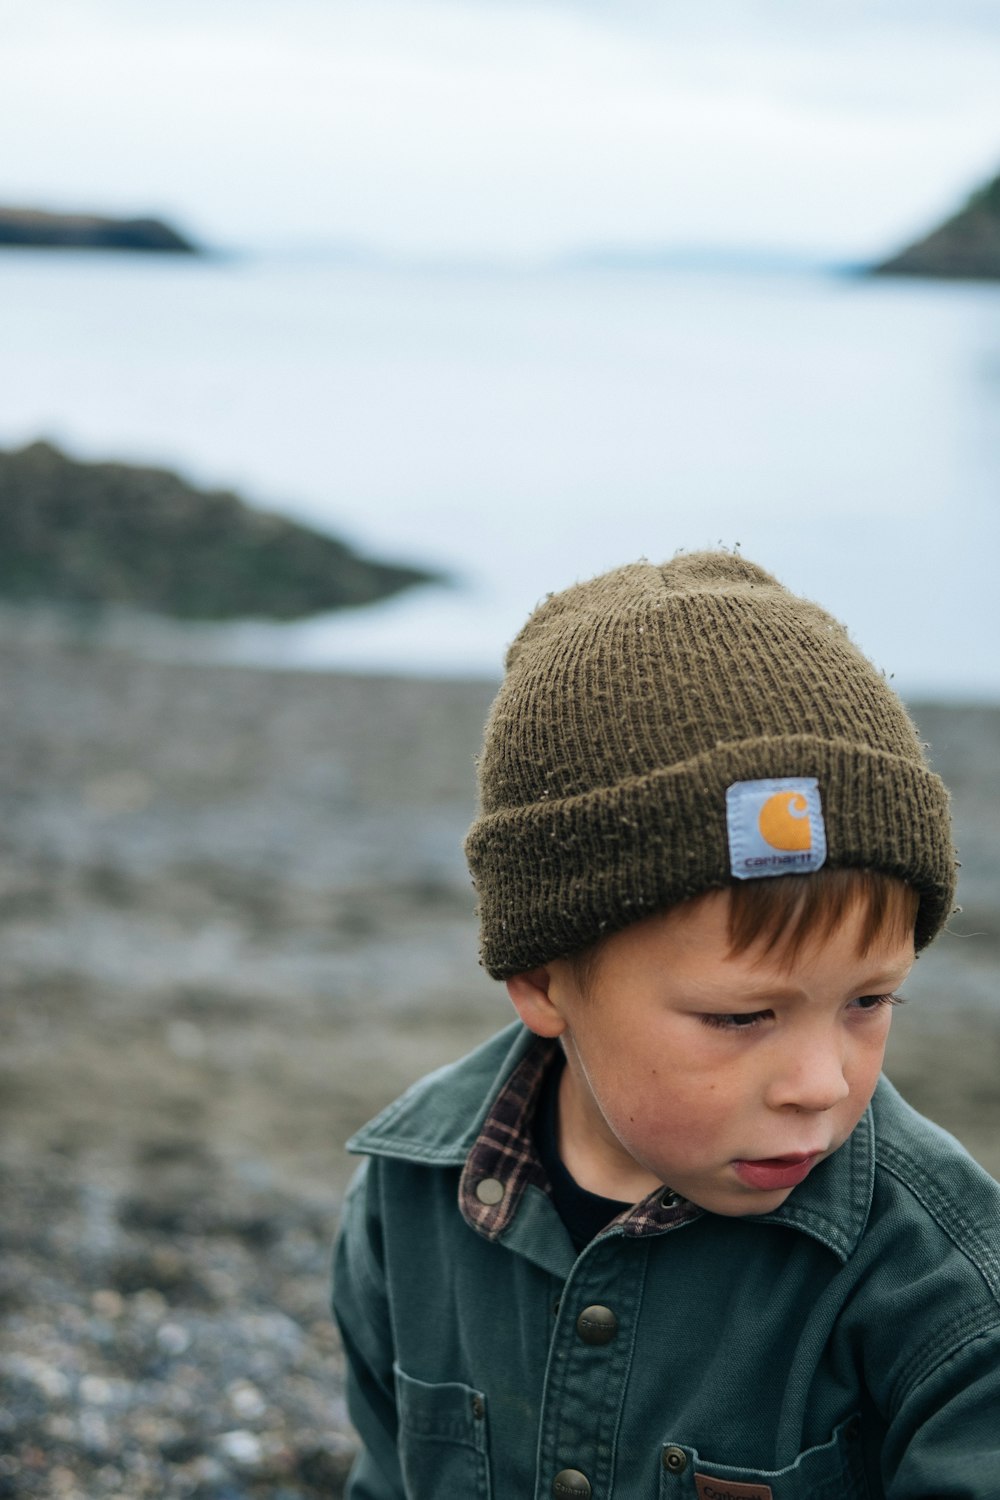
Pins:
<point x="726" y="1077"/>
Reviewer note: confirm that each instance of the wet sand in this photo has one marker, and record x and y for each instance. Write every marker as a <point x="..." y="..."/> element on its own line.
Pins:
<point x="236" y="920"/>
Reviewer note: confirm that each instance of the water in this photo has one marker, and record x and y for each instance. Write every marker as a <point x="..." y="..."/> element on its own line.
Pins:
<point x="521" y="429"/>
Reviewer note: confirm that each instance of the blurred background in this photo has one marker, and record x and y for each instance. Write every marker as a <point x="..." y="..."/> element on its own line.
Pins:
<point x="431" y="307"/>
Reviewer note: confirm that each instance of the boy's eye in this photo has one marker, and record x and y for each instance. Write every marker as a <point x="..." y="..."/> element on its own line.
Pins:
<point x="875" y="1002"/>
<point x="739" y="1021"/>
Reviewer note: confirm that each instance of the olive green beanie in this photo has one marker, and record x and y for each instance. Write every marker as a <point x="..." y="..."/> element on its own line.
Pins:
<point x="638" y="709"/>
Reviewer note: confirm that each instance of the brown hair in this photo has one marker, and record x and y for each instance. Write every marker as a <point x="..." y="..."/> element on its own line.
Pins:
<point x="781" y="915"/>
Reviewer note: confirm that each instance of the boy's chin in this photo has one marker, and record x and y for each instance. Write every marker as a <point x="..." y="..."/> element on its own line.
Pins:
<point x="741" y="1202"/>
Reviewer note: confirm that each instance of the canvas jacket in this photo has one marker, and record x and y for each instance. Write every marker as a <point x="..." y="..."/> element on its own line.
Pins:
<point x="847" y="1345"/>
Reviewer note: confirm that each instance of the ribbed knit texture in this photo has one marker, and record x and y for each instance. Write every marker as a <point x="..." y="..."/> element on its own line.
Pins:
<point x="631" y="703"/>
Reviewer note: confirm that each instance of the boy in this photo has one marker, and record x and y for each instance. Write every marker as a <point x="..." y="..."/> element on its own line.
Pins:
<point x="669" y="1235"/>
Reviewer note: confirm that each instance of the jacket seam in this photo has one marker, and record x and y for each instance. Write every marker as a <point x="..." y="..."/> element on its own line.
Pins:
<point x="907" y="1173"/>
<point x="937" y="1354"/>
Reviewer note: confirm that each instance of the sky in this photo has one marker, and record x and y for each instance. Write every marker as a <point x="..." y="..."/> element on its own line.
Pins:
<point x="505" y="129"/>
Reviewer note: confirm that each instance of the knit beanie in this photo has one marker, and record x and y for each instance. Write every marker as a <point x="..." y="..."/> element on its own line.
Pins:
<point x="664" y="730"/>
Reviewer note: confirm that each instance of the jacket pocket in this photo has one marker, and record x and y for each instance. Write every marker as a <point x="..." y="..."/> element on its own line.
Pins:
<point x="832" y="1471"/>
<point x="443" y="1447"/>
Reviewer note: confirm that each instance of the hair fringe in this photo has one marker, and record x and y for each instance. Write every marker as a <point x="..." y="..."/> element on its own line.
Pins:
<point x="780" y="915"/>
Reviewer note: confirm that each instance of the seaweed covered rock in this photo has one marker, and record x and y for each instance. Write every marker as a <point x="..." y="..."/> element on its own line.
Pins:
<point x="32" y="228"/>
<point x="966" y="247"/>
<point x="90" y="534"/>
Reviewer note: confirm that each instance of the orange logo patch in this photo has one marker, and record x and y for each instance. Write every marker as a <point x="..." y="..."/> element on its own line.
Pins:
<point x="784" y="821"/>
<point x="775" y="827"/>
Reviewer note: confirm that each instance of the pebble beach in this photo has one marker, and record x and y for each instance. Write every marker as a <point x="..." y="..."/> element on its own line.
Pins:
<point x="236" y="921"/>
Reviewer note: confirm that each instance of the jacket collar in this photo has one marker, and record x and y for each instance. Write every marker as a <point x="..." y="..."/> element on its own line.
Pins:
<point x="834" y="1202"/>
<point x="438" y="1121"/>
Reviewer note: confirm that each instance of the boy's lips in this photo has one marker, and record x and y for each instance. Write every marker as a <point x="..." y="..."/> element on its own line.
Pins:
<point x="776" y="1171"/>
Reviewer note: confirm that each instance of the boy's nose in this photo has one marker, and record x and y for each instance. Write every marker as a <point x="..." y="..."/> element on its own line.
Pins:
<point x="810" y="1078"/>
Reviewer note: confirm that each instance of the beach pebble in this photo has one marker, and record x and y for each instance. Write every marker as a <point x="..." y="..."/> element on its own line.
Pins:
<point x="246" y="1400"/>
<point x="241" y="1446"/>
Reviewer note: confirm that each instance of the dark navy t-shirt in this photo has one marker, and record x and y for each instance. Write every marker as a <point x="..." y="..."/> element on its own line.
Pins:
<point x="584" y="1214"/>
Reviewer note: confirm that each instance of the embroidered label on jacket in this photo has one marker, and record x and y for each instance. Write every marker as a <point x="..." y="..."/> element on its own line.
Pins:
<point x="775" y="827"/>
<point x="729" y="1489"/>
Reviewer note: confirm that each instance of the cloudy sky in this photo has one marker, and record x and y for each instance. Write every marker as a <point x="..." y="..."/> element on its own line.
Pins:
<point x="509" y="128"/>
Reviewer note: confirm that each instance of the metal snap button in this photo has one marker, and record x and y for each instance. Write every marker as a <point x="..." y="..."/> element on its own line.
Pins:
<point x="478" y="1408"/>
<point x="571" y="1482"/>
<point x="675" y="1460"/>
<point x="489" y="1191"/>
<point x="597" y="1325"/>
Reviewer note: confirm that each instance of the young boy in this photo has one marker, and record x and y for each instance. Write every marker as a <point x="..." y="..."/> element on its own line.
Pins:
<point x="669" y="1235"/>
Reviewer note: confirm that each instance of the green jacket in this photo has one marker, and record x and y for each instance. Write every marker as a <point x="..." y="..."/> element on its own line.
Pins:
<point x="846" y="1345"/>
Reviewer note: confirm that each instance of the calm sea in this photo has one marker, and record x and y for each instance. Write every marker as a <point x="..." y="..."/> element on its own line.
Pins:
<point x="520" y="429"/>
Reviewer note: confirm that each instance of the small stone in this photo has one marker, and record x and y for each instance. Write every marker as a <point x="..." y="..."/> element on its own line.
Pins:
<point x="245" y="1399"/>
<point x="241" y="1446"/>
<point x="50" y="1381"/>
<point x="172" y="1338"/>
<point x="95" y="1391"/>
<point x="94" y="1432"/>
<point x="61" y="1428"/>
<point x="208" y="1470"/>
<point x="108" y="1303"/>
<point x="149" y="1305"/>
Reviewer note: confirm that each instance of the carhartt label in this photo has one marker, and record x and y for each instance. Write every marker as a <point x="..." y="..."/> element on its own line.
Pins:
<point x="775" y="827"/>
<point x="729" y="1489"/>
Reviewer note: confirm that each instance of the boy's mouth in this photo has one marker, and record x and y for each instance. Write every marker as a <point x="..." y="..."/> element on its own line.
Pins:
<point x="776" y="1171"/>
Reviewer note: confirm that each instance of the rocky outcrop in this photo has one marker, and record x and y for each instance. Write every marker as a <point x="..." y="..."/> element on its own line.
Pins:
<point x="93" y="534"/>
<point x="966" y="247"/>
<point x="29" y="227"/>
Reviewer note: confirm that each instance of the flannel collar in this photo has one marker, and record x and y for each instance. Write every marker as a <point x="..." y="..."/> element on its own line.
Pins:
<point x="504" y="1161"/>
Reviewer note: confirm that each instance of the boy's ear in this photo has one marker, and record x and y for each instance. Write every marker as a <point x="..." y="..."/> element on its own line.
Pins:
<point x="530" y="997"/>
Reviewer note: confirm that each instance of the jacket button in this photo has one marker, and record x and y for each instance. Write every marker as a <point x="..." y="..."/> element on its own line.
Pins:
<point x="571" y="1482"/>
<point x="597" y="1325"/>
<point x="489" y="1191"/>
<point x="675" y="1460"/>
<point x="478" y="1408"/>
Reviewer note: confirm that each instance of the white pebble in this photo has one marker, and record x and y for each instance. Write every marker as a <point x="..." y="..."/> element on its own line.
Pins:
<point x="245" y="1399"/>
<point x="172" y="1338"/>
<point x="241" y="1446"/>
<point x="50" y="1381"/>
<point x="95" y="1391"/>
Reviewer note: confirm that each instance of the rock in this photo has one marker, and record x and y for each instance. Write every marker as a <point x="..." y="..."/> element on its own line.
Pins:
<point x="242" y="1446"/>
<point x="966" y="247"/>
<point x="32" y="228"/>
<point x="88" y="535"/>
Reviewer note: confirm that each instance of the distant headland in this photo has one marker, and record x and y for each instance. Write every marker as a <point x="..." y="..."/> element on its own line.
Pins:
<point x="88" y="535"/>
<point x="31" y="228"/>
<point x="965" y="247"/>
